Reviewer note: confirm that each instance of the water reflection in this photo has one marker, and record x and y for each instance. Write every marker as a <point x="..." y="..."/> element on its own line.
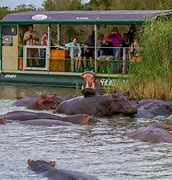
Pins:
<point x="16" y="91"/>
<point x="101" y="150"/>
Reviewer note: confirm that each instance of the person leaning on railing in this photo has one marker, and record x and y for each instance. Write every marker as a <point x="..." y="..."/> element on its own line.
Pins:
<point x="75" y="53"/>
<point x="105" y="55"/>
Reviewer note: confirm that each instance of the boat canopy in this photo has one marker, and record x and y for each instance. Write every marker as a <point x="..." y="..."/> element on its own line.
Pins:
<point x="84" y="17"/>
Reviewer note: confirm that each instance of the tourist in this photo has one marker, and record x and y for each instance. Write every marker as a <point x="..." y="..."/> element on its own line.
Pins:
<point x="87" y="55"/>
<point x="125" y="46"/>
<point x="75" y="53"/>
<point x="106" y="55"/>
<point x="91" y="41"/>
<point x="31" y="38"/>
<point x="116" y="40"/>
<point x="135" y="51"/>
<point x="131" y="33"/>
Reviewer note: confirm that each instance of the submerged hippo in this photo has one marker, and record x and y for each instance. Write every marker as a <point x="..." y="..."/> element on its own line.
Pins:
<point x="48" y="169"/>
<point x="152" y="108"/>
<point x="82" y="119"/>
<point x="154" y="134"/>
<point x="98" y="105"/>
<point x="46" y="101"/>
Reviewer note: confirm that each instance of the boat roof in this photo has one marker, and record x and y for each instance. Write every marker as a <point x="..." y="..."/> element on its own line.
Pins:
<point x="84" y="17"/>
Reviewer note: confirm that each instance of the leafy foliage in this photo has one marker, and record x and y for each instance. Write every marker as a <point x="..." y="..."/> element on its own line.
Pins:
<point x="4" y="10"/>
<point x="152" y="77"/>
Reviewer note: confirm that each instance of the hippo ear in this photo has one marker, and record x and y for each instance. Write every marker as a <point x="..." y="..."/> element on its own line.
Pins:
<point x="49" y="98"/>
<point x="168" y="126"/>
<point x="53" y="163"/>
<point x="114" y="97"/>
<point x="29" y="162"/>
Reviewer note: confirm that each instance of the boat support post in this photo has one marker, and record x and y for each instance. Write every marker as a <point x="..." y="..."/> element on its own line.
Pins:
<point x="58" y="33"/>
<point x="1" y="47"/>
<point x="48" y="51"/>
<point x="95" y="49"/>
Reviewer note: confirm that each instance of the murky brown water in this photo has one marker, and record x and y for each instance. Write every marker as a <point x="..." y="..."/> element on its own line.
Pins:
<point x="102" y="150"/>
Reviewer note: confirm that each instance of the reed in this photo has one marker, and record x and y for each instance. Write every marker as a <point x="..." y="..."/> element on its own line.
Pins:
<point x="152" y="77"/>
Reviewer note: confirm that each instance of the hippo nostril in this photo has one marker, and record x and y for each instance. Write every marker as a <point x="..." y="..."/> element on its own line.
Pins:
<point x="167" y="106"/>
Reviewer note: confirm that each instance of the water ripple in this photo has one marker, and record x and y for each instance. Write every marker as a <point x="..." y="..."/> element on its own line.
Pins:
<point x="102" y="150"/>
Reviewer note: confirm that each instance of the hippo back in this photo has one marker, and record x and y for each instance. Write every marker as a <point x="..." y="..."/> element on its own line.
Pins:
<point x="152" y="135"/>
<point x="63" y="174"/>
<point x="48" y="169"/>
<point x="98" y="105"/>
<point x="153" y="108"/>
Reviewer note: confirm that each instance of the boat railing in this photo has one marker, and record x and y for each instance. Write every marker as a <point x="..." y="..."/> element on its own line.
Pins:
<point x="106" y="62"/>
<point x="37" y="57"/>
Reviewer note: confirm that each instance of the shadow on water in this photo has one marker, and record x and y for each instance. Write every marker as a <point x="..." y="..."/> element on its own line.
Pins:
<point x="102" y="150"/>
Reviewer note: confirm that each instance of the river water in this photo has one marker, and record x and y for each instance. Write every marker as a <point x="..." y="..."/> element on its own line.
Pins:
<point x="102" y="150"/>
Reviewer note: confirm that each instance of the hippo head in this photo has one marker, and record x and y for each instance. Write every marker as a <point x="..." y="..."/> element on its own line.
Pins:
<point x="121" y="104"/>
<point x="168" y="127"/>
<point x="3" y="120"/>
<point x="88" y="119"/>
<point x="47" y="101"/>
<point x="89" y="88"/>
<point x="40" y="165"/>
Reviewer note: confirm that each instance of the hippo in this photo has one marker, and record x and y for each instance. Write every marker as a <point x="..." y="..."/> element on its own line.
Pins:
<point x="92" y="84"/>
<point x="46" y="101"/>
<point x="98" y="105"/>
<point x="49" y="170"/>
<point x="82" y="119"/>
<point x="152" y="108"/>
<point x="156" y="133"/>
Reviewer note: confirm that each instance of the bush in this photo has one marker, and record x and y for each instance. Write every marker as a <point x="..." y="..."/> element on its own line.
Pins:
<point x="152" y="77"/>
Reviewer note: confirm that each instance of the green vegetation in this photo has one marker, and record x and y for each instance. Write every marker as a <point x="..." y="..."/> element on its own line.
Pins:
<point x="4" y="10"/>
<point x="152" y="78"/>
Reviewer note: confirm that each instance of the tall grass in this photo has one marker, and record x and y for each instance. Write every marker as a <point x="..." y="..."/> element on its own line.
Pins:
<point x="152" y="77"/>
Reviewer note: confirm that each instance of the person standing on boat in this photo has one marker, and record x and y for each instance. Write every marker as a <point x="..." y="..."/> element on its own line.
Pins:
<point x="116" y="39"/>
<point x="44" y="42"/>
<point x="75" y="53"/>
<point x="131" y="33"/>
<point x="87" y="55"/>
<point x="31" y="38"/>
<point x="125" y="46"/>
<point x="91" y="41"/>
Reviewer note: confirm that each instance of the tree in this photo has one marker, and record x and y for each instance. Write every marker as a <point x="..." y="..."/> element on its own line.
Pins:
<point x="4" y="10"/>
<point x="24" y="7"/>
<point x="59" y="5"/>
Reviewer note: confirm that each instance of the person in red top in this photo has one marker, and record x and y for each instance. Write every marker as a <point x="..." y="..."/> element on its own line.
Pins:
<point x="116" y="39"/>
